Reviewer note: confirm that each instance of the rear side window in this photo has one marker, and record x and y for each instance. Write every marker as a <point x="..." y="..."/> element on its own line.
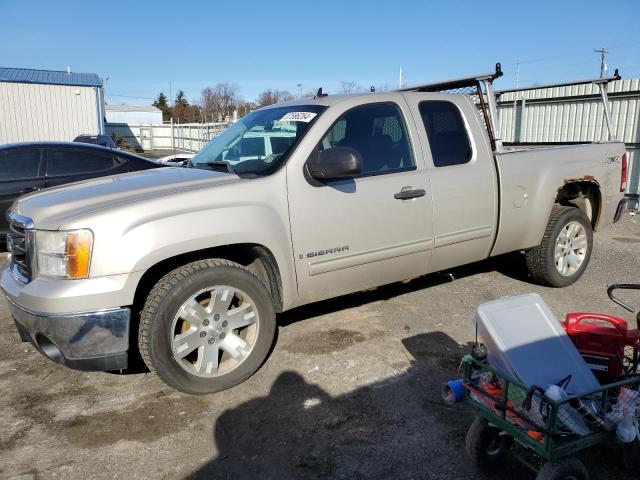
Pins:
<point x="20" y="164"/>
<point x="446" y="132"/>
<point x="77" y="162"/>
<point x="377" y="131"/>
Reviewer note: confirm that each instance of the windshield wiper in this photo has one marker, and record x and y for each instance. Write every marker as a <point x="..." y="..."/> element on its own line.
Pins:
<point x="216" y="166"/>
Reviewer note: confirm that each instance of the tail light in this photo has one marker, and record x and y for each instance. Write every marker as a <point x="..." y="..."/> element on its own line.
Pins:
<point x="623" y="175"/>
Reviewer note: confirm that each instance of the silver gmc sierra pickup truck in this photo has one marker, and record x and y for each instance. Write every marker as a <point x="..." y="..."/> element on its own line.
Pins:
<point x="295" y="203"/>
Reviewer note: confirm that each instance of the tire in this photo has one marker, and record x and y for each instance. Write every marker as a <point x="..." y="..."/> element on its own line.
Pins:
<point x="541" y="260"/>
<point x="571" y="469"/>
<point x="181" y="310"/>
<point x="486" y="446"/>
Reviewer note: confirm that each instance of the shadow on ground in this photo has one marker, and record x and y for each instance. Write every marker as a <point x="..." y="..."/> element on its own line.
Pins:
<point x="377" y="431"/>
<point x="511" y="265"/>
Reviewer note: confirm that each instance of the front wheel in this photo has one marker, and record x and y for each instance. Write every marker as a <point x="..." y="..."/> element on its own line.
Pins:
<point x="565" y="250"/>
<point x="206" y="326"/>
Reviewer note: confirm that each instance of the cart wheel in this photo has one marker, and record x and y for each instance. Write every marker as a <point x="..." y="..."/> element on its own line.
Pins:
<point x="571" y="469"/>
<point x="631" y="456"/>
<point x="487" y="446"/>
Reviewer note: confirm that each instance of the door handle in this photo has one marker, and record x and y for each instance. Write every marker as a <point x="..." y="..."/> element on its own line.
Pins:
<point x="409" y="194"/>
<point x="29" y="189"/>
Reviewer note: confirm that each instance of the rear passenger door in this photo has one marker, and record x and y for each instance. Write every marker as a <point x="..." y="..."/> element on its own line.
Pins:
<point x="463" y="177"/>
<point x="21" y="172"/>
<point x="66" y="165"/>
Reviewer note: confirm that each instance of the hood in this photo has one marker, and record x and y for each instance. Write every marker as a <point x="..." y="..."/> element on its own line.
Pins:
<point x="52" y="207"/>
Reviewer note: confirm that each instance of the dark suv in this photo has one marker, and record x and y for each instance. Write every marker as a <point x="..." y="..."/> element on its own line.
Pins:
<point x="26" y="167"/>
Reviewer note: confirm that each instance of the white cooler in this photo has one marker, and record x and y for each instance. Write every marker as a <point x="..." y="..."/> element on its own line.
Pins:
<point x="525" y="341"/>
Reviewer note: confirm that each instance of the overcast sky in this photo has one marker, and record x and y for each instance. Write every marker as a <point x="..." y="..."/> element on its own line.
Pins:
<point x="144" y="46"/>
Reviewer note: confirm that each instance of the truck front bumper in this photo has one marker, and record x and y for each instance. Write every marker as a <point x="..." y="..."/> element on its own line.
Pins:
<point x="83" y="341"/>
<point x="83" y="324"/>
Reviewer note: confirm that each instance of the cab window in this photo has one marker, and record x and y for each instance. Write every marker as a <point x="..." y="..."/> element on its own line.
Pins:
<point x="377" y="131"/>
<point x="446" y="132"/>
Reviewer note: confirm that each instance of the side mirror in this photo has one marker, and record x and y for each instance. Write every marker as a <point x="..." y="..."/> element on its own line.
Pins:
<point x="336" y="162"/>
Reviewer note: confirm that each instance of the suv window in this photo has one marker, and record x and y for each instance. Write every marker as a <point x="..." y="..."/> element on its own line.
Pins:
<point x="279" y="145"/>
<point x="76" y="162"/>
<point x="447" y="134"/>
<point x="20" y="164"/>
<point x="247" y="148"/>
<point x="377" y="131"/>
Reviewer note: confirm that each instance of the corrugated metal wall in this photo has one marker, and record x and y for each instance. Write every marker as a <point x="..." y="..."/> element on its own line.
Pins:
<point x="574" y="114"/>
<point x="31" y="112"/>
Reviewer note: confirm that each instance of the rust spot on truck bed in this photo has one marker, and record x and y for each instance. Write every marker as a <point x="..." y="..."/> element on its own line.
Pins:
<point x="586" y="178"/>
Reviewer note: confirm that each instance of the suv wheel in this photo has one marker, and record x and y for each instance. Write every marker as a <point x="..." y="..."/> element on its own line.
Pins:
<point x="206" y="326"/>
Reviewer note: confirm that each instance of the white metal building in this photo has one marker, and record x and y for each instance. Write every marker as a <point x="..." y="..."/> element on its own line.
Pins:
<point x="574" y="113"/>
<point x="133" y="114"/>
<point x="49" y="105"/>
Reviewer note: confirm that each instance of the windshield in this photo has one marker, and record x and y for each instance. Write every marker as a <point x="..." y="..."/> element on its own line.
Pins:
<point x="259" y="142"/>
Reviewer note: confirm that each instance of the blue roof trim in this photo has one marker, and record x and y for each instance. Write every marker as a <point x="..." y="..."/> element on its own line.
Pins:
<point x="49" y="77"/>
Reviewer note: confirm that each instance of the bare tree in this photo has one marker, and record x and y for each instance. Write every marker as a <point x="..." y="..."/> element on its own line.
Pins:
<point x="245" y="107"/>
<point x="269" y="97"/>
<point x="220" y="101"/>
<point x="350" y="86"/>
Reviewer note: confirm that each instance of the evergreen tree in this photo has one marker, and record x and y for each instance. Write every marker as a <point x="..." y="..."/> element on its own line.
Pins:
<point x="161" y="104"/>
<point x="180" y="99"/>
<point x="182" y="111"/>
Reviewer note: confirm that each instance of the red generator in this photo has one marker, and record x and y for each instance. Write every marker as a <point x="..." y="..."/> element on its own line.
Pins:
<point x="605" y="342"/>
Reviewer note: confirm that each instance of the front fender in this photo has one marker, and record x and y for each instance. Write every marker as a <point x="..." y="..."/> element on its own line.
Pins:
<point x="134" y="236"/>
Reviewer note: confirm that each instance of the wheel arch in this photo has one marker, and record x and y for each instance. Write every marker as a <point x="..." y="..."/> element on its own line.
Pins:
<point x="583" y="193"/>
<point x="255" y="257"/>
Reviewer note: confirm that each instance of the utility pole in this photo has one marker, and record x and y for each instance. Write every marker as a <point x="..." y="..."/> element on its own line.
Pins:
<point x="299" y="85"/>
<point x="515" y="98"/>
<point x="170" y="96"/>
<point x="400" y="79"/>
<point x="603" y="65"/>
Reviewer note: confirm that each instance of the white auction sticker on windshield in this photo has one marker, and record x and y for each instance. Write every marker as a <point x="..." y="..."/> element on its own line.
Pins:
<point x="298" y="117"/>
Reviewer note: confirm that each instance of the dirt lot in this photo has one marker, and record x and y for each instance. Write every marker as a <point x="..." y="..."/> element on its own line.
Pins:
<point x="351" y="390"/>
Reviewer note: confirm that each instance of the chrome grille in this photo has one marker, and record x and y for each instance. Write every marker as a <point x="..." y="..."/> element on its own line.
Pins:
<point x="18" y="246"/>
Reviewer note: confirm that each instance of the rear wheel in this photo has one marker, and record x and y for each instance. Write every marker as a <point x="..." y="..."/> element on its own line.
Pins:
<point x="206" y="326"/>
<point x="565" y="250"/>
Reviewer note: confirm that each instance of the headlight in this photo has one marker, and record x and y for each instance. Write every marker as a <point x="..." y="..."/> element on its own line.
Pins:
<point x="64" y="254"/>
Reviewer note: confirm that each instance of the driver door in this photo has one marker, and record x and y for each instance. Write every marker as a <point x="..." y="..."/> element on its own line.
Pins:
<point x="356" y="233"/>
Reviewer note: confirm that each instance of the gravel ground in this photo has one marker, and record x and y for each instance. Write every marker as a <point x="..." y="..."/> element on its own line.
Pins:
<point x="351" y="390"/>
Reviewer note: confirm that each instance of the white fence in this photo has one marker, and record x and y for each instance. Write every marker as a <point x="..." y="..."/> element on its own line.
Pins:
<point x="189" y="137"/>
